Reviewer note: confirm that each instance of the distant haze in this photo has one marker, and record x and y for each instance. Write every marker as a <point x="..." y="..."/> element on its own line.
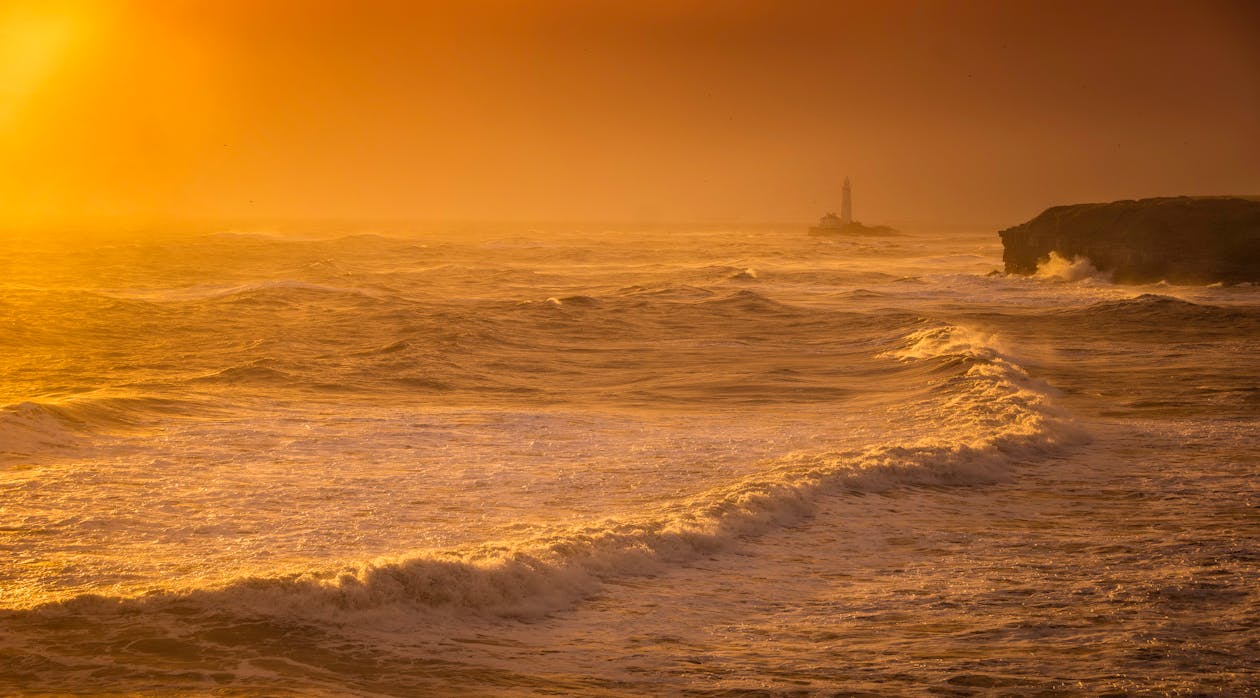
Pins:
<point x="963" y="112"/>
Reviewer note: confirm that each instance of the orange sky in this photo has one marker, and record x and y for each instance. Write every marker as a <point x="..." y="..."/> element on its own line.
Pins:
<point x="616" y="110"/>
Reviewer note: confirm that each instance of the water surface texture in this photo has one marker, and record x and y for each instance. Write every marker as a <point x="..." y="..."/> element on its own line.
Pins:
<point x="504" y="461"/>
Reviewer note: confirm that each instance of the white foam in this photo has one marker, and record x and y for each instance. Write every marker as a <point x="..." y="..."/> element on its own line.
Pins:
<point x="1060" y="268"/>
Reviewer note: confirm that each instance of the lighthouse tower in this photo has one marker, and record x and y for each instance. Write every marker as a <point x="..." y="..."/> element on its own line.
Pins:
<point x="846" y="203"/>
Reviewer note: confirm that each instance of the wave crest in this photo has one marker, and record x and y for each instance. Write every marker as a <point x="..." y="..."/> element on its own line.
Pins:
<point x="1139" y="312"/>
<point x="33" y="427"/>
<point x="29" y="427"/>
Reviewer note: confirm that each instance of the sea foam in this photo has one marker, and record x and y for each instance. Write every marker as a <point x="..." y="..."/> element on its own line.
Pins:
<point x="1060" y="268"/>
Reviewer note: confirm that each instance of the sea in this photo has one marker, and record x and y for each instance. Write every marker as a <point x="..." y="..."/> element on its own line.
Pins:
<point x="513" y="460"/>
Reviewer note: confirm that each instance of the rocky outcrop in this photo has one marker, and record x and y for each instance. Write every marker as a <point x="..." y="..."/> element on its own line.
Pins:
<point x="1180" y="239"/>
<point x="854" y="229"/>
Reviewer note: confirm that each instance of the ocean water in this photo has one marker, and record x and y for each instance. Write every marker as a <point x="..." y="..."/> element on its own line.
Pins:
<point x="588" y="461"/>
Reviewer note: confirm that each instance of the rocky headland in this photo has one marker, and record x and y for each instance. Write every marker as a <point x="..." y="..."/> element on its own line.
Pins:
<point x="1186" y="240"/>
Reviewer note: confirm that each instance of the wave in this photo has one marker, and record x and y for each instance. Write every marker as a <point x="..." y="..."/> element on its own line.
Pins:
<point x="255" y="235"/>
<point x="259" y="371"/>
<point x="863" y="294"/>
<point x="1001" y="417"/>
<point x="1059" y="268"/>
<point x="671" y="297"/>
<point x="296" y="237"/>
<point x="400" y="345"/>
<point x="358" y="239"/>
<point x="263" y="291"/>
<point x="574" y="301"/>
<point x="1156" y="307"/>
<point x="31" y="427"/>
<point x="328" y="267"/>
<point x="745" y="300"/>
<point x="681" y="292"/>
<point x="712" y="273"/>
<point x="1146" y="304"/>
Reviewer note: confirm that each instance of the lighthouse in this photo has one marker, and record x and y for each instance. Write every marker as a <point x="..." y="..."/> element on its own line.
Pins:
<point x="843" y="224"/>
<point x="846" y="203"/>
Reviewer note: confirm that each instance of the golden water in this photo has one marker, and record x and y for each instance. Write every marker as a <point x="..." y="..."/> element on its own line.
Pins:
<point x="503" y="460"/>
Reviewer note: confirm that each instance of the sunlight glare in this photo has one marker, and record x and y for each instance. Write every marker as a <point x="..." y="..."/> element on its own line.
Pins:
<point x="33" y="42"/>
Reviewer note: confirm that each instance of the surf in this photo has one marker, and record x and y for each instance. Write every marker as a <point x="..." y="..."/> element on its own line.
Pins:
<point x="998" y="418"/>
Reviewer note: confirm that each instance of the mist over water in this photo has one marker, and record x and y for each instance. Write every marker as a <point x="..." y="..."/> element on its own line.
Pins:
<point x="513" y="461"/>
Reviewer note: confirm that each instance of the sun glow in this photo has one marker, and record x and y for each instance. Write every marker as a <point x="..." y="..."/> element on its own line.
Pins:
<point x="106" y="109"/>
<point x="33" y="42"/>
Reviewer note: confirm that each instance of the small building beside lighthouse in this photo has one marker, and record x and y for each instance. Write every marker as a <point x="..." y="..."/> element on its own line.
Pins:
<point x="831" y="223"/>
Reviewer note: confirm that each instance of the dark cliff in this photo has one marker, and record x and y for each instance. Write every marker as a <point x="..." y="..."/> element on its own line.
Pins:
<point x="1180" y="240"/>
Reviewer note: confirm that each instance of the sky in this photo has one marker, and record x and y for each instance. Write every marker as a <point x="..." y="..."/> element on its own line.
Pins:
<point x="643" y="111"/>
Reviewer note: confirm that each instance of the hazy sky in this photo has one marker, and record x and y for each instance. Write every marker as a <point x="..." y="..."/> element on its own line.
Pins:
<point x="611" y="110"/>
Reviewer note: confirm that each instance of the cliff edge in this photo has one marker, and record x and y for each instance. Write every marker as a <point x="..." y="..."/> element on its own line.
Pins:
<point x="1183" y="239"/>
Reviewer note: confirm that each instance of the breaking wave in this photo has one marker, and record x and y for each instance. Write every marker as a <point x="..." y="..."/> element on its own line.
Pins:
<point x="574" y="301"/>
<point x="999" y="417"/>
<point x="1059" y="268"/>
